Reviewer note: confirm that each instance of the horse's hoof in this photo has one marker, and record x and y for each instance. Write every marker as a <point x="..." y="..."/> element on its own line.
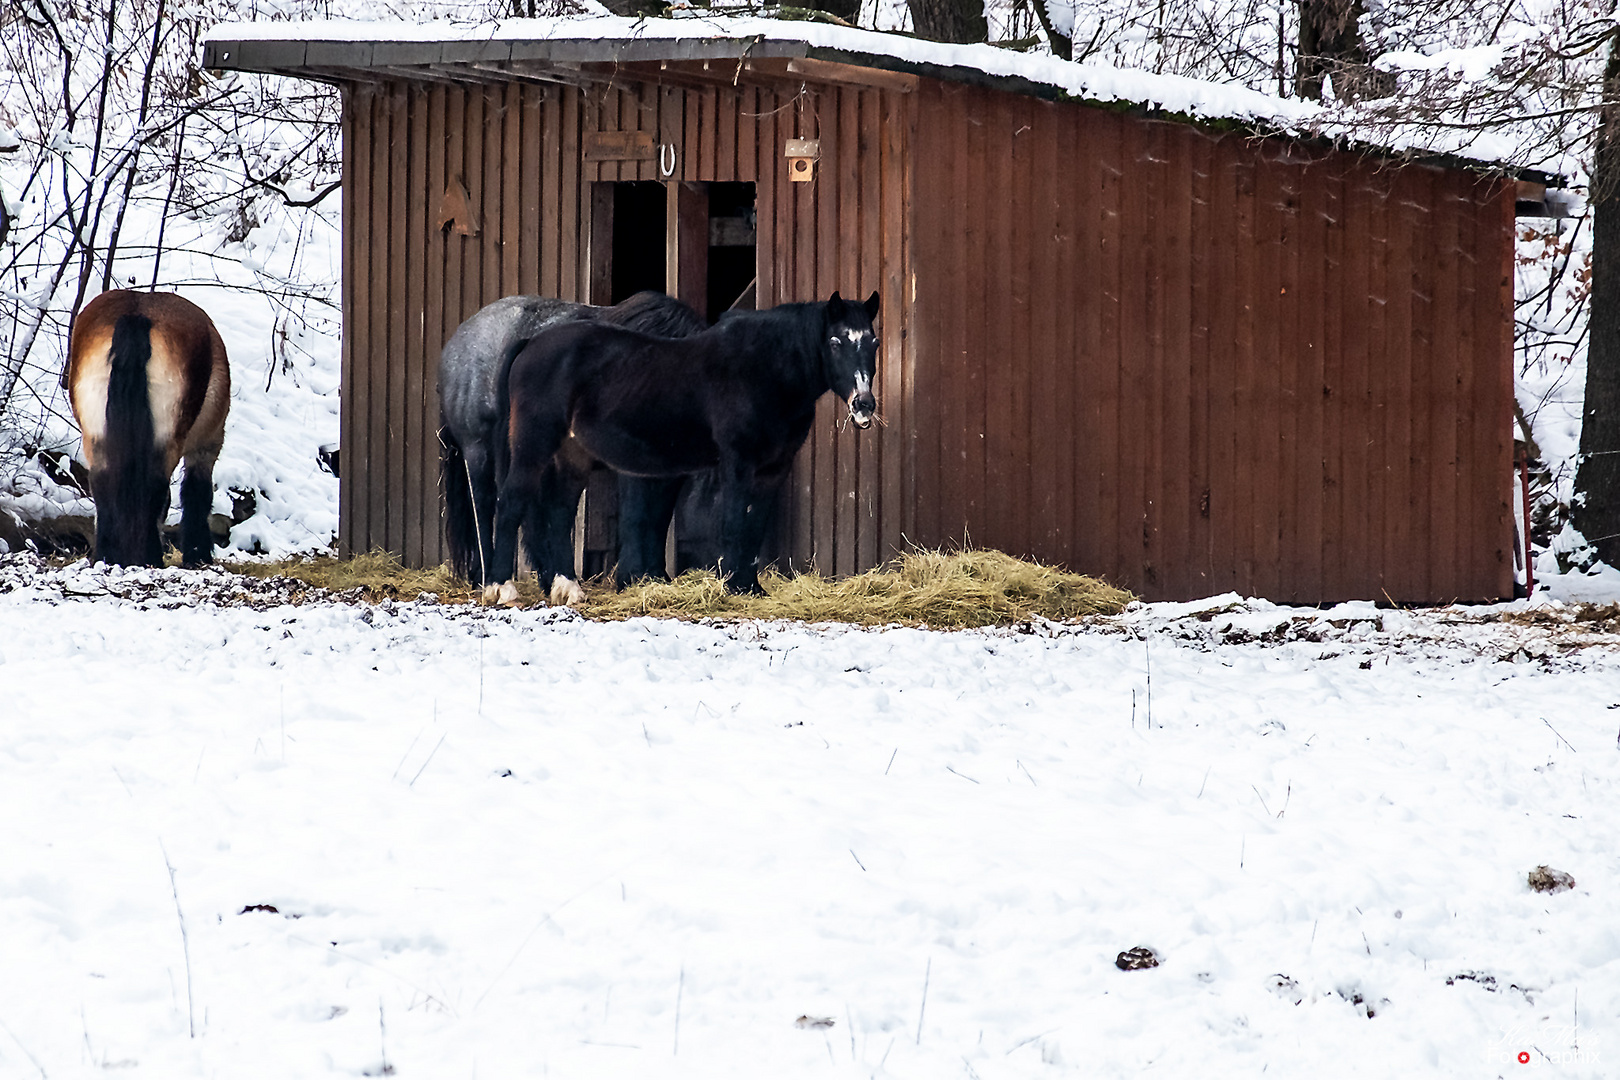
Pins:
<point x="504" y="594"/>
<point x="565" y="592"/>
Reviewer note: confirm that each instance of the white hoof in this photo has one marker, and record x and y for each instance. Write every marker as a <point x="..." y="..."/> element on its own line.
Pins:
<point x="565" y="592"/>
<point x="505" y="594"/>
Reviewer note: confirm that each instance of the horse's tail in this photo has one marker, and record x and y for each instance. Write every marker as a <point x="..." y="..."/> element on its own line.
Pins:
<point x="130" y="489"/>
<point x="500" y="438"/>
<point x="460" y="517"/>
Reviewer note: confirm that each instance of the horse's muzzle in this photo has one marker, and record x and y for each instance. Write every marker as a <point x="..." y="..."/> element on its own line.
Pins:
<point x="862" y="407"/>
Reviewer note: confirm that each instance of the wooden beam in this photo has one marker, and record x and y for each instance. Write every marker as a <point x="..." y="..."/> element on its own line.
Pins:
<point x="853" y="75"/>
<point x="687" y="231"/>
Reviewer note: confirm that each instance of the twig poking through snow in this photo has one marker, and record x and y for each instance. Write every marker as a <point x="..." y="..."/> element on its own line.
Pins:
<point x="1147" y="654"/>
<point x="680" y="989"/>
<point x="1262" y="799"/>
<point x="1287" y="795"/>
<point x="962" y="775"/>
<point x="1200" y="794"/>
<point x="1561" y="739"/>
<point x="423" y="769"/>
<point x="28" y="1054"/>
<point x="185" y="943"/>
<point x="1020" y="764"/>
<point x="890" y="765"/>
<point x="923" y="1008"/>
<point x="857" y="859"/>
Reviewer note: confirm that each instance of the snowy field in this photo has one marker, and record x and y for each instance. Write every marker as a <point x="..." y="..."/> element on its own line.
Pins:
<point x="249" y="839"/>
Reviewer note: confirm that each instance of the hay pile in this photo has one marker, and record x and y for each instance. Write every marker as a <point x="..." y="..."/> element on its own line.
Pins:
<point x="921" y="588"/>
<point x="379" y="574"/>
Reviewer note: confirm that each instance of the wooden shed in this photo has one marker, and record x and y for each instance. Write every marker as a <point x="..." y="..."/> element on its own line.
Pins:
<point x="1171" y="351"/>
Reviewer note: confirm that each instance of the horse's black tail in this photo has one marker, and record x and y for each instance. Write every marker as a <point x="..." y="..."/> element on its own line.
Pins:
<point x="500" y="436"/>
<point x="460" y="519"/>
<point x="131" y="490"/>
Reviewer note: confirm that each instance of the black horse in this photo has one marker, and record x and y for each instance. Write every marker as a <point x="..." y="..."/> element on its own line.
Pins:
<point x="738" y="398"/>
<point x="472" y="422"/>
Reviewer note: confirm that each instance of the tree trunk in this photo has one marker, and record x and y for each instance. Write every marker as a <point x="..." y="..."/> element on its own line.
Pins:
<point x="1596" y="509"/>
<point x="1062" y="44"/>
<point x="959" y="21"/>
<point x="1330" y="45"/>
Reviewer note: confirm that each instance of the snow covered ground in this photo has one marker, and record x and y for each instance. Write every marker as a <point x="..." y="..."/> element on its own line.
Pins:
<point x="249" y="839"/>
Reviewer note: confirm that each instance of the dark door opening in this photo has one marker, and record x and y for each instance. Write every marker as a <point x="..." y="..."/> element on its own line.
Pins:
<point x="733" y="247"/>
<point x="638" y="218"/>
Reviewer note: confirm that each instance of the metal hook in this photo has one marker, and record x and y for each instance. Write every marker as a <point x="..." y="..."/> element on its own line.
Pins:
<point x="666" y="169"/>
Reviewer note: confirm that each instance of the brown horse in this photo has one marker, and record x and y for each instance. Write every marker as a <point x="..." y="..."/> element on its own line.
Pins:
<point x="150" y="386"/>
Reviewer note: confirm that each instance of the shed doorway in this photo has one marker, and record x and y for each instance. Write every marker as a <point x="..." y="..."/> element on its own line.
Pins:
<point x="697" y="241"/>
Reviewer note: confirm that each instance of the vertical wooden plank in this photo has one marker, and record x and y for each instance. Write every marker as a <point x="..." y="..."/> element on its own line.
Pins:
<point x="1109" y="414"/>
<point x="1359" y="554"/>
<point x="1493" y="418"/>
<point x="1287" y="539"/>
<point x="395" y="369"/>
<point x="1333" y="279"/>
<point x="1246" y="400"/>
<point x="745" y="125"/>
<point x="572" y="201"/>
<point x="1045" y="261"/>
<point x="421" y="416"/>
<point x="846" y="277"/>
<point x="513" y="208"/>
<point x="980" y="293"/>
<point x="434" y="330"/>
<point x="1139" y="405"/>
<point x="472" y="166"/>
<point x="375" y="475"/>
<point x="922" y="329"/>
<point x="708" y="133"/>
<point x="1014" y="239"/>
<point x="356" y="160"/>
<point x="549" y="211"/>
<point x="1312" y="473"/>
<point x="900" y="438"/>
<point x="1173" y="489"/>
<point x="455" y="245"/>
<point x="1201" y="241"/>
<point x="1417" y="200"/>
<point x="1226" y="302"/>
<point x="531" y="126"/>
<point x="822" y="213"/>
<point x="1445" y="377"/>
<point x="493" y="203"/>
<point x="873" y="445"/>
<point x="1471" y="547"/>
<point x="996" y="524"/>
<point x="727" y="106"/>
<point x="1271" y="336"/>
<point x="1393" y="375"/>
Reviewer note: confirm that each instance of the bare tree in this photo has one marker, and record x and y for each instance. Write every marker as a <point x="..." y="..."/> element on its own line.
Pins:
<point x="961" y="21"/>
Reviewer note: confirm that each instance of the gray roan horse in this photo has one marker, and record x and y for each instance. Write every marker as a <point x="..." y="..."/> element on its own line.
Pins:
<point x="738" y="398"/>
<point x="472" y="424"/>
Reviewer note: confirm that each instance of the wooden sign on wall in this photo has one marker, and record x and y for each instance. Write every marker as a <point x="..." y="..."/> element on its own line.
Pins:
<point x="620" y="146"/>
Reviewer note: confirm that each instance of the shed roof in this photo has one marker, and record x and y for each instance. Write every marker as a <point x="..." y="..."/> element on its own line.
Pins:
<point x="598" y="48"/>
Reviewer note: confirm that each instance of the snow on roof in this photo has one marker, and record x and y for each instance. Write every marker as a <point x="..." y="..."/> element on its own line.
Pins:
<point x="1030" y="73"/>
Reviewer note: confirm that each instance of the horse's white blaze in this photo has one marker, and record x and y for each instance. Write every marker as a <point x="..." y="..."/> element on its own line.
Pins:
<point x="565" y="592"/>
<point x="863" y="383"/>
<point x="855" y="337"/>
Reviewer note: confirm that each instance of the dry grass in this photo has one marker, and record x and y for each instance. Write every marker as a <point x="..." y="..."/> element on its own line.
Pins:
<point x="379" y="574"/>
<point x="922" y="588"/>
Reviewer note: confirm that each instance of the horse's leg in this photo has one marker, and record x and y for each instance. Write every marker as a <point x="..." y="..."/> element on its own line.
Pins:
<point x="744" y="509"/>
<point x="549" y="530"/>
<point x="646" y="505"/>
<point x="527" y="475"/>
<point x="196" y="502"/>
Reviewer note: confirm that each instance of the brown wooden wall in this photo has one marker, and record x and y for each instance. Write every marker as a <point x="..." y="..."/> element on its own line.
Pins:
<point x="1198" y="363"/>
<point x="1189" y="362"/>
<point x="407" y="284"/>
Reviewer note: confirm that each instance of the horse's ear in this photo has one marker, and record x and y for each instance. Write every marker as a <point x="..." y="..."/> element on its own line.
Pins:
<point x="835" y="307"/>
<point x="872" y="305"/>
